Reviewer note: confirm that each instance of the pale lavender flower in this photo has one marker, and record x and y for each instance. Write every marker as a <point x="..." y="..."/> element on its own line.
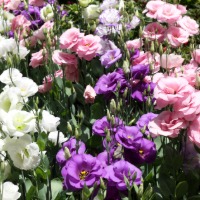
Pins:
<point x="110" y="17"/>
<point x="108" y="4"/>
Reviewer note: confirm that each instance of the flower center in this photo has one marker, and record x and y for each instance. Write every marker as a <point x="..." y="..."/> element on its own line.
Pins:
<point x="141" y="151"/>
<point x="129" y="137"/>
<point x="83" y="174"/>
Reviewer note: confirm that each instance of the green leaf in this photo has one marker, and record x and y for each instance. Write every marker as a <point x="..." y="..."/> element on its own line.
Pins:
<point x="148" y="192"/>
<point x="59" y="82"/>
<point x="196" y="197"/>
<point x="56" y="187"/>
<point x="97" y="111"/>
<point x="41" y="173"/>
<point x="31" y="192"/>
<point x="181" y="189"/>
<point x="85" y="193"/>
<point x="42" y="193"/>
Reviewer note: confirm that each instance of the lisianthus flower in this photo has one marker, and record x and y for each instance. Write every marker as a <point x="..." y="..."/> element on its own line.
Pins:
<point x="71" y="144"/>
<point x="80" y="170"/>
<point x="115" y="174"/>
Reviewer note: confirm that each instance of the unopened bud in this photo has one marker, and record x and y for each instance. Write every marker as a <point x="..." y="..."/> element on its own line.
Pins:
<point x="69" y="127"/>
<point x="113" y="106"/>
<point x="67" y="153"/>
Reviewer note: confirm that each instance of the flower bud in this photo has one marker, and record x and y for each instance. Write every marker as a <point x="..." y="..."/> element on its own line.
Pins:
<point x="67" y="153"/>
<point x="46" y="13"/>
<point x="69" y="127"/>
<point x="113" y="106"/>
<point x="91" y="13"/>
<point x="84" y="3"/>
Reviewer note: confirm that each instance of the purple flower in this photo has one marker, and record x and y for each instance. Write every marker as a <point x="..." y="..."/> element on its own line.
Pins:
<point x="115" y="174"/>
<point x="141" y="90"/>
<point x="134" y="23"/>
<point x="110" y="17"/>
<point x="103" y="158"/>
<point x="128" y="136"/>
<point x="80" y="170"/>
<point x="135" y="54"/>
<point x="110" y="57"/>
<point x="71" y="145"/>
<point x="144" y="120"/>
<point x="139" y="71"/>
<point x="144" y="153"/>
<point x="107" y="84"/>
<point x="102" y="124"/>
<point x="112" y="193"/>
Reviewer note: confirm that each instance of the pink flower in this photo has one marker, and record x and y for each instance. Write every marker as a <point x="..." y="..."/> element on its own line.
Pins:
<point x="167" y="124"/>
<point x="70" y="38"/>
<point x="147" y="58"/>
<point x="39" y="34"/>
<point x="196" y="55"/>
<point x="169" y="90"/>
<point x="194" y="131"/>
<point x="58" y="73"/>
<point x="182" y="9"/>
<point x="89" y="94"/>
<point x="61" y="58"/>
<point x="10" y="4"/>
<point x="168" y="13"/>
<point x="189" y="106"/>
<point x="171" y="61"/>
<point x="134" y="44"/>
<point x="157" y="77"/>
<point x="88" y="47"/>
<point x="152" y="7"/>
<point x="154" y="31"/>
<point x="47" y="84"/>
<point x="177" y="36"/>
<point x="189" y="25"/>
<point x="38" y="58"/>
<point x="36" y="2"/>
<point x="20" y="25"/>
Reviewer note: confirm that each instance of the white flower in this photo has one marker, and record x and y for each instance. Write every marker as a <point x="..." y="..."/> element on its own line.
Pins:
<point x="27" y="87"/>
<point x="10" y="99"/>
<point x="46" y="13"/>
<point x="21" y="51"/>
<point x="10" y="191"/>
<point x="10" y="76"/>
<point x="108" y="4"/>
<point x="5" y="20"/>
<point x="53" y="137"/>
<point x="18" y="122"/>
<point x="49" y="122"/>
<point x="91" y="12"/>
<point x="24" y="153"/>
<point x="134" y="22"/>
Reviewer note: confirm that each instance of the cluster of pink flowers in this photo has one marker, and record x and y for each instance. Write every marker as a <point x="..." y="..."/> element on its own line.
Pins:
<point x="72" y="40"/>
<point x="179" y="27"/>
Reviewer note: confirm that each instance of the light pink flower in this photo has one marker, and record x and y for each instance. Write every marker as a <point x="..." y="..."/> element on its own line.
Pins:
<point x="20" y="25"/>
<point x="61" y="58"/>
<point x="169" y="90"/>
<point x="39" y="34"/>
<point x="152" y="7"/>
<point x="171" y="61"/>
<point x="146" y="58"/>
<point x="58" y="73"/>
<point x="88" y="47"/>
<point x="157" y="77"/>
<point x="194" y="131"/>
<point x="189" y="106"/>
<point x="70" y="38"/>
<point x="36" y="2"/>
<point x="47" y="84"/>
<point x="10" y="4"/>
<point x="189" y="25"/>
<point x="89" y="94"/>
<point x="38" y="58"/>
<point x="182" y="9"/>
<point x="196" y="55"/>
<point x="134" y="44"/>
<point x="167" y="124"/>
<point x="168" y="13"/>
<point x="177" y="36"/>
<point x="154" y="31"/>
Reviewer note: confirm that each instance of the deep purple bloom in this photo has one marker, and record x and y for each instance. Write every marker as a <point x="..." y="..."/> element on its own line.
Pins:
<point x="102" y="124"/>
<point x="110" y="57"/>
<point x="141" y="90"/>
<point x="139" y="71"/>
<point x="71" y="145"/>
<point x="80" y="170"/>
<point x="107" y="84"/>
<point x="112" y="193"/>
<point x="128" y="136"/>
<point x="135" y="54"/>
<point x="115" y="174"/>
<point x="145" y="152"/>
